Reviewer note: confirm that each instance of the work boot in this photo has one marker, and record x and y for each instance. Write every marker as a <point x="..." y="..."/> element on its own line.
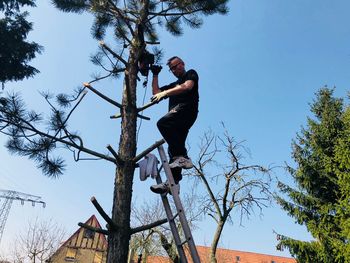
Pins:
<point x="163" y="188"/>
<point x="181" y="162"/>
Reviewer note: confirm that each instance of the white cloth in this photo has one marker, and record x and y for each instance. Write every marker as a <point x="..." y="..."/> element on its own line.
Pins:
<point x="148" y="167"/>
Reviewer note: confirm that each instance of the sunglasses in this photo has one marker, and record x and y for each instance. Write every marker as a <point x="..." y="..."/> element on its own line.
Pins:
<point x="172" y="68"/>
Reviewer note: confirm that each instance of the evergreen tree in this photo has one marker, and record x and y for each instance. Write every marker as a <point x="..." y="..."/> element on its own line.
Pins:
<point x="15" y="51"/>
<point x="342" y="169"/>
<point x="134" y="23"/>
<point x="321" y="199"/>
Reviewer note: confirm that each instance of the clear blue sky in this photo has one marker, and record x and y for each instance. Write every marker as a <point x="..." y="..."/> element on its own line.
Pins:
<point x="259" y="68"/>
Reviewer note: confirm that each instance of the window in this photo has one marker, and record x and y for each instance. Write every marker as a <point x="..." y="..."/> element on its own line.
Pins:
<point x="70" y="255"/>
<point x="89" y="233"/>
<point x="238" y="259"/>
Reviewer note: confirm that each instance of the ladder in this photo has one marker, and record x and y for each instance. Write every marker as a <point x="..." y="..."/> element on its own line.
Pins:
<point x="180" y="212"/>
<point x="179" y="208"/>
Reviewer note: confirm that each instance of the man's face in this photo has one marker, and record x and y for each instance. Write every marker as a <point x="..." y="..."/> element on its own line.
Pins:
<point x="177" y="67"/>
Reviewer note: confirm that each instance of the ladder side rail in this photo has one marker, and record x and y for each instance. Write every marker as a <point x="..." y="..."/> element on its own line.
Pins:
<point x="172" y="224"/>
<point x="179" y="207"/>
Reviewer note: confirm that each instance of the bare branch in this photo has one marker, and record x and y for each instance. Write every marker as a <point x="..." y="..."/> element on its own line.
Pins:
<point x="148" y="226"/>
<point x="241" y="190"/>
<point x="87" y="85"/>
<point x="121" y="59"/>
<point x="109" y="221"/>
<point x="116" y="156"/>
<point x="210" y="192"/>
<point x="94" y="229"/>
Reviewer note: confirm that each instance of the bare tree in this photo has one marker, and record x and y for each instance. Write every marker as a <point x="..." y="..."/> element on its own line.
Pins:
<point x="235" y="186"/>
<point x="3" y="259"/>
<point x="150" y="241"/>
<point x="38" y="241"/>
<point x="134" y="24"/>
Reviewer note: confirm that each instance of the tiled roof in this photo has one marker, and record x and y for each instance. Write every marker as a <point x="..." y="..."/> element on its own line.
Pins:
<point x="233" y="256"/>
<point x="229" y="256"/>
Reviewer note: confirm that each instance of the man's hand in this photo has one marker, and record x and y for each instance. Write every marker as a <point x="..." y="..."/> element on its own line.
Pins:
<point x="159" y="96"/>
<point x="156" y="69"/>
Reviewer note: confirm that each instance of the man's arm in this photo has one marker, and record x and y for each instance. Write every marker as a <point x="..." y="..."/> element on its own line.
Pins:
<point x="178" y="89"/>
<point x="155" y="85"/>
<point x="155" y="71"/>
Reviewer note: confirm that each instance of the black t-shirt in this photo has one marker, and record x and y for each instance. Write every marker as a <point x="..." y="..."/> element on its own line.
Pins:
<point x="188" y="99"/>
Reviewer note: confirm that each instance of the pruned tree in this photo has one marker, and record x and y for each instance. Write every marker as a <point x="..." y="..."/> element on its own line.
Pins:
<point x="150" y="242"/>
<point x="134" y="24"/>
<point x="38" y="241"/>
<point x="232" y="187"/>
<point x="15" y="50"/>
<point x="320" y="197"/>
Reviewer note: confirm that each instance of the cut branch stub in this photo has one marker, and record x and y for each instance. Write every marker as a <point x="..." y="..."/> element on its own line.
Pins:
<point x="115" y="55"/>
<point x="148" y="150"/>
<point x="146" y="106"/>
<point x="116" y="156"/>
<point x="112" y="225"/>
<point x="87" y="85"/>
<point x="148" y="226"/>
<point x="94" y="229"/>
<point x="116" y="116"/>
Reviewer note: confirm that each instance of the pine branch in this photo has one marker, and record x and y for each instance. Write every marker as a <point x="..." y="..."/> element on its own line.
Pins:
<point x="119" y="14"/>
<point x="46" y="135"/>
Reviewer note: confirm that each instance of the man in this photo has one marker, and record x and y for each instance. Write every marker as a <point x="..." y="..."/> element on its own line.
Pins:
<point x="183" y="110"/>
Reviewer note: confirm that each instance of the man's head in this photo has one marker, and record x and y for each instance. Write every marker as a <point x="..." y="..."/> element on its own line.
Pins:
<point x="176" y="66"/>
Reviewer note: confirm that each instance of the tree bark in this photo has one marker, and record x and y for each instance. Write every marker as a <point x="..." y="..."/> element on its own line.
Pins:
<point x="215" y="241"/>
<point x="119" y="239"/>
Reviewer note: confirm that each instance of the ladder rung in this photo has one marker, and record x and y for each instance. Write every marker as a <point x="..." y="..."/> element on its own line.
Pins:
<point x="160" y="168"/>
<point x="185" y="241"/>
<point x="174" y="216"/>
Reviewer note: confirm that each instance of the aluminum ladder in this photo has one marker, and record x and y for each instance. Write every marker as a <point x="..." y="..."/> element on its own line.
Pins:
<point x="180" y="212"/>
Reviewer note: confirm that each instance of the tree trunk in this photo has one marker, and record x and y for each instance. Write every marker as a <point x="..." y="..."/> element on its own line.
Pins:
<point x="118" y="240"/>
<point x="215" y="241"/>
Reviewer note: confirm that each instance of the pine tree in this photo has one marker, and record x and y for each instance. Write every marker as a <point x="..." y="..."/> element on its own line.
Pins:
<point x="15" y="51"/>
<point x="320" y="200"/>
<point x="134" y="23"/>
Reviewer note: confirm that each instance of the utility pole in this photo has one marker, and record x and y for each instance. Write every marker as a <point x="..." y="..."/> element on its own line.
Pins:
<point x="8" y="196"/>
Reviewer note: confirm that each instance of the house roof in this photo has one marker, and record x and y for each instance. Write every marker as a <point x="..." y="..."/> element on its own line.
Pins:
<point x="229" y="256"/>
<point x="96" y="241"/>
<point x="74" y="240"/>
<point x="233" y="256"/>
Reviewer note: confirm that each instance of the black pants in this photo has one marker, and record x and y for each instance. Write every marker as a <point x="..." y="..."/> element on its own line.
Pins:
<point x="174" y="127"/>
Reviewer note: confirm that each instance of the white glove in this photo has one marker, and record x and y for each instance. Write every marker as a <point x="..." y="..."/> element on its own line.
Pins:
<point x="159" y="96"/>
